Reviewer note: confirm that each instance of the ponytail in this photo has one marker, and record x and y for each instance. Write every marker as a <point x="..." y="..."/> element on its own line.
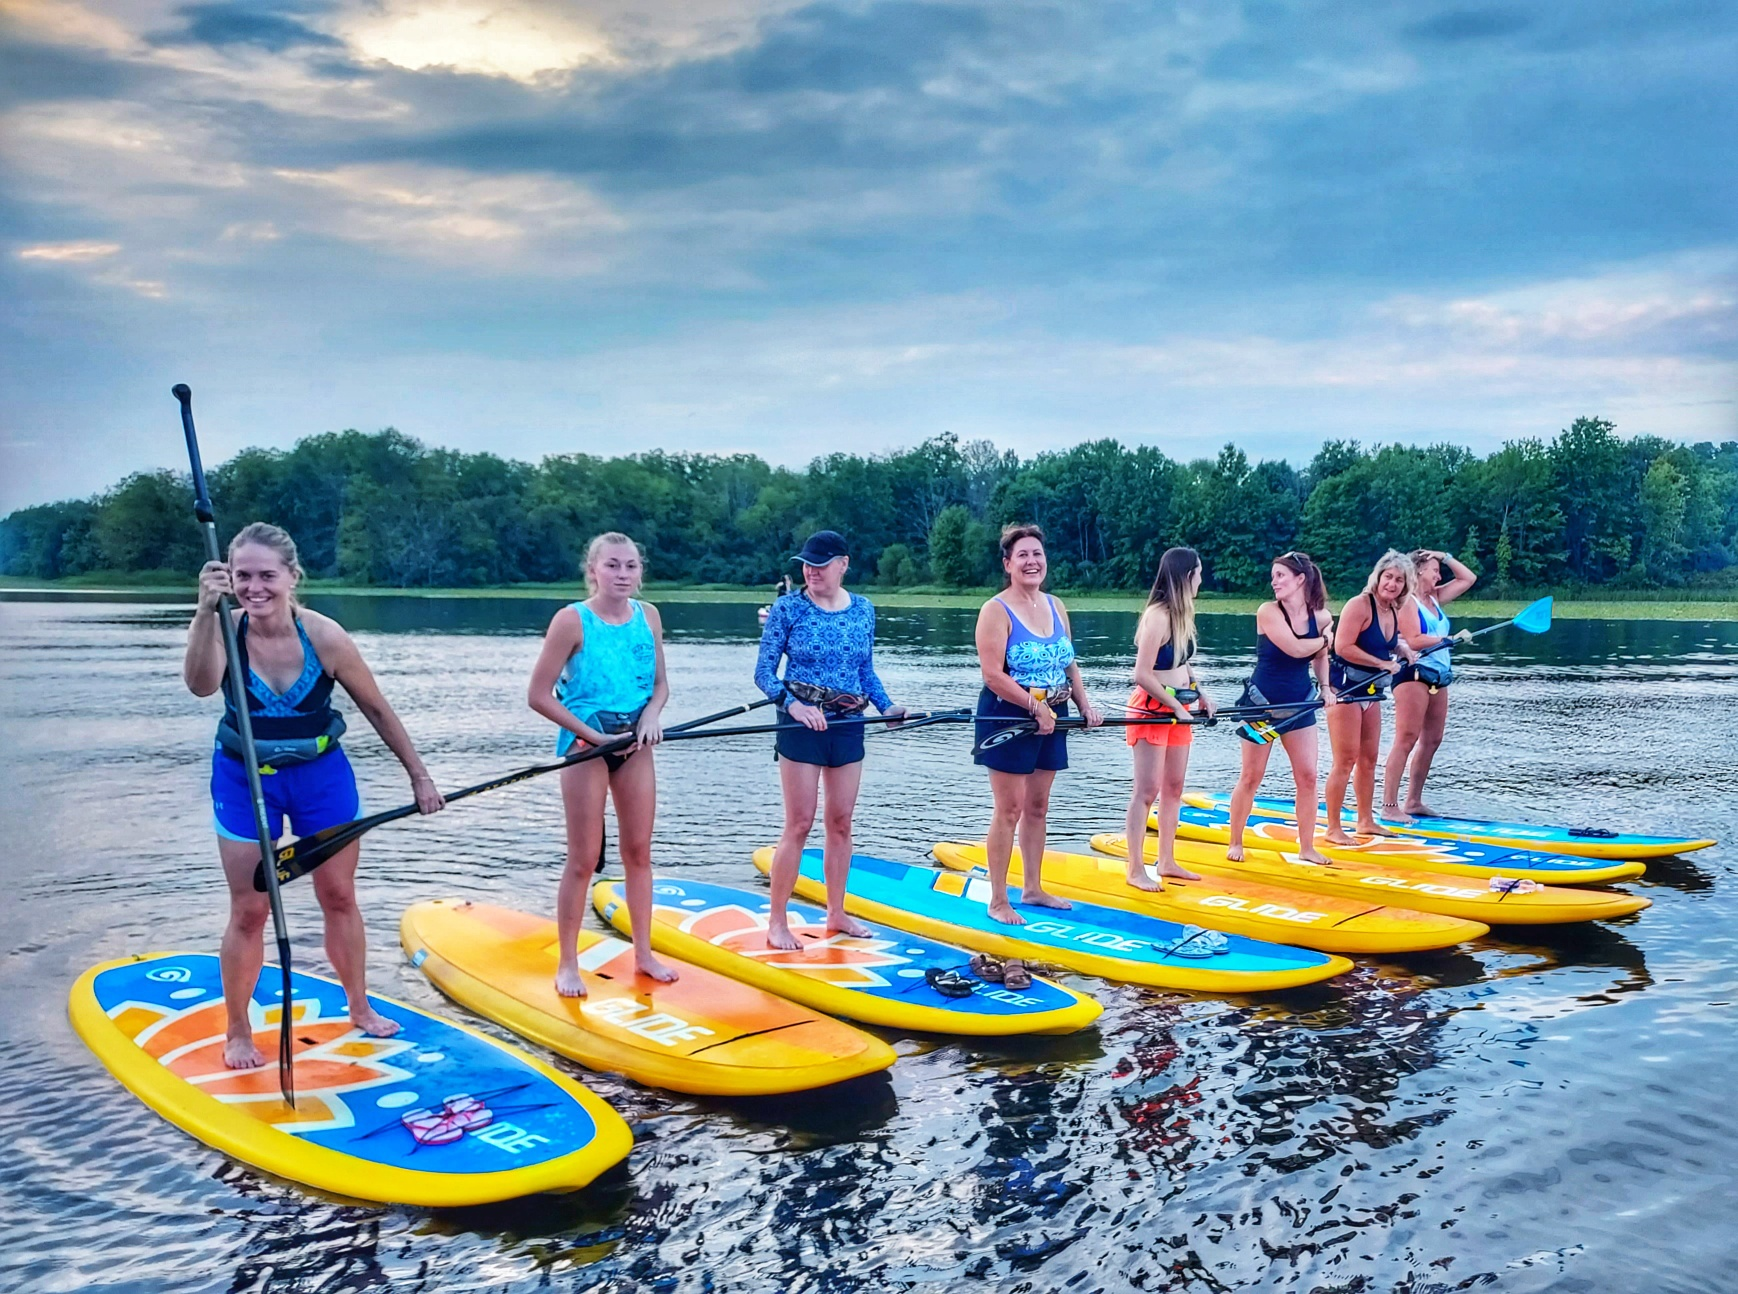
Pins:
<point x="1315" y="590"/>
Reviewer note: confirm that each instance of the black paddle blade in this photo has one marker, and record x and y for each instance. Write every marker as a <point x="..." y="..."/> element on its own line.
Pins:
<point x="286" y="1028"/>
<point x="303" y="856"/>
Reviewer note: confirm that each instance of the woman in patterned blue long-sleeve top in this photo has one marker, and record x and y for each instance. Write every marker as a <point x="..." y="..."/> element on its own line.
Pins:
<point x="826" y="636"/>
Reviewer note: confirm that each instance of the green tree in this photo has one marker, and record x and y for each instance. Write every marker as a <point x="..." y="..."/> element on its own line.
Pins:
<point x="1665" y="497"/>
<point x="950" y="557"/>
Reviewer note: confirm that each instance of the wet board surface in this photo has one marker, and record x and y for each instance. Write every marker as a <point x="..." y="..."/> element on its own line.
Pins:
<point x="1610" y="843"/>
<point x="1208" y="818"/>
<point x="706" y="1033"/>
<point x="1494" y="900"/>
<point x="1328" y="922"/>
<point x="879" y="980"/>
<point x="1114" y="944"/>
<point x="436" y="1115"/>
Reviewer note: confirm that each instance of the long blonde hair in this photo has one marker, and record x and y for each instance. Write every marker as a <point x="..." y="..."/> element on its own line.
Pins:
<point x="601" y="542"/>
<point x="1394" y="560"/>
<point x="1171" y="591"/>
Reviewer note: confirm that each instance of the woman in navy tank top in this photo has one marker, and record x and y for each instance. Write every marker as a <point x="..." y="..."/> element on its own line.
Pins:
<point x="1367" y="654"/>
<point x="1291" y="665"/>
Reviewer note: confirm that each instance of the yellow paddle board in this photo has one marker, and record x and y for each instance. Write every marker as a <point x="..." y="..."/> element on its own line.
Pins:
<point x="1208" y="818"/>
<point x="705" y="1033"/>
<point x="1323" y="921"/>
<point x="436" y="1116"/>
<point x="1496" y="900"/>
<point x="883" y="979"/>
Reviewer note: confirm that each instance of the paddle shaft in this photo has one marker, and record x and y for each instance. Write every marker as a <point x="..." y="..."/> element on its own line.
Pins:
<point x="303" y="856"/>
<point x="237" y="683"/>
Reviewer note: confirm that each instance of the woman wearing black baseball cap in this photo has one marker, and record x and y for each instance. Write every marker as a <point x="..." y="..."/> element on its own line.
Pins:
<point x="826" y="636"/>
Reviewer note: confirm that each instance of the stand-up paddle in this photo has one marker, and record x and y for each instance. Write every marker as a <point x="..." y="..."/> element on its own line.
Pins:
<point x="237" y="682"/>
<point x="1535" y="618"/>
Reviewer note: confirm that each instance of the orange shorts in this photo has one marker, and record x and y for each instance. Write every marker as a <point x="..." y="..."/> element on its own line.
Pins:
<point x="1156" y="734"/>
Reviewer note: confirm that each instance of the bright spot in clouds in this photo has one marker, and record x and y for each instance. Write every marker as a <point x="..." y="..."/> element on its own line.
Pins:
<point x="73" y="252"/>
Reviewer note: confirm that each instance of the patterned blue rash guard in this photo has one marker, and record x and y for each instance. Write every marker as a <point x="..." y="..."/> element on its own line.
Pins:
<point x="833" y="649"/>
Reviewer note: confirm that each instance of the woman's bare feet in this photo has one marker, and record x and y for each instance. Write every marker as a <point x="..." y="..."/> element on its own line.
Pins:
<point x="1419" y="809"/>
<point x="1374" y="829"/>
<point x="778" y="935"/>
<point x="1044" y="899"/>
<point x="241" y="1053"/>
<point x="1334" y="836"/>
<point x="1392" y="813"/>
<point x="1004" y="912"/>
<point x="652" y="968"/>
<point x="1138" y="879"/>
<point x="1171" y="872"/>
<point x="567" y="980"/>
<point x="841" y="923"/>
<point x="1312" y="856"/>
<point x="1234" y="853"/>
<point x="372" y="1023"/>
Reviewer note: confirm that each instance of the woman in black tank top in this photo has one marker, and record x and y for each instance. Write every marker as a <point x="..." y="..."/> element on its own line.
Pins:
<point x="1367" y="648"/>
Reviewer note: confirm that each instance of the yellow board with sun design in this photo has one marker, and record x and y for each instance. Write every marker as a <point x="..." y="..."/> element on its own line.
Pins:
<point x="437" y="1115"/>
<point x="887" y="979"/>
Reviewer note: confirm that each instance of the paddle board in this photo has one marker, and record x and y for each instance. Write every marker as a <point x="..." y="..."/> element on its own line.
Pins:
<point x="1112" y="944"/>
<point x="705" y="1033"/>
<point x="878" y="980"/>
<point x="1322" y="921"/>
<point x="1584" y="842"/>
<point x="436" y="1116"/>
<point x="1208" y="818"/>
<point x="1496" y="900"/>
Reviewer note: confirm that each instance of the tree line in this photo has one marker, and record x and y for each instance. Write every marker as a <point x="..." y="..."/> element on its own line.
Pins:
<point x="1584" y="508"/>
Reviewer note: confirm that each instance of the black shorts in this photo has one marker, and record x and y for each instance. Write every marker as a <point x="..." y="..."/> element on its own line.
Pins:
<point x="1027" y="753"/>
<point x="839" y="745"/>
<point x="1283" y="716"/>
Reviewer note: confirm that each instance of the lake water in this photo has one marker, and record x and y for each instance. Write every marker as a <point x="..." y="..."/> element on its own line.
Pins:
<point x="1550" y="1110"/>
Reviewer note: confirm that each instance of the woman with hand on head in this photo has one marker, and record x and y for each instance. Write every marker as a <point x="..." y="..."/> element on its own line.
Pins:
<point x="292" y="658"/>
<point x="1026" y="655"/>
<point x="1292" y="634"/>
<point x="1367" y="654"/>
<point x="599" y="676"/>
<point x="1421" y="687"/>
<point x="1164" y="685"/>
<point x="825" y="634"/>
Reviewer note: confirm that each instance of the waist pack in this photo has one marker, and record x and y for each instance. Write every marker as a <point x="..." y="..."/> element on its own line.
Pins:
<point x="282" y="752"/>
<point x="830" y="699"/>
<point x="1359" y="682"/>
<point x="1433" y="671"/>
<point x="615" y="721"/>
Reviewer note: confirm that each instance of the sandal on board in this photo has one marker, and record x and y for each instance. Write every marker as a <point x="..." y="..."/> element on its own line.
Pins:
<point x="1015" y="975"/>
<point x="949" y="983"/>
<point x="987" y="968"/>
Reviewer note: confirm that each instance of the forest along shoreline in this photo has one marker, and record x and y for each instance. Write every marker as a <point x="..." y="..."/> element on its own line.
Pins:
<point x="1637" y="605"/>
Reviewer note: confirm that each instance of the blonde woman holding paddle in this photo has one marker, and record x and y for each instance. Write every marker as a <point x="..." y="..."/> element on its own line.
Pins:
<point x="1368" y="652"/>
<point x="1421" y="687"/>
<point x="1165" y="685"/>
<point x="292" y="658"/>
<point x="600" y="676"/>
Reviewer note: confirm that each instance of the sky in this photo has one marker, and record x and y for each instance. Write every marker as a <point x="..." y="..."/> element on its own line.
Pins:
<point x="794" y="229"/>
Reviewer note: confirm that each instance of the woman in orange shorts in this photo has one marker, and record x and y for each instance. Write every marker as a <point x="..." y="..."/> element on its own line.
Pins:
<point x="1165" y="685"/>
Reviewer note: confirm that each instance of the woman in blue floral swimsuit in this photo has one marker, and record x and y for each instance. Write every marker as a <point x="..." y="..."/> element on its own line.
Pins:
<point x="826" y="636"/>
<point x="1027" y="657"/>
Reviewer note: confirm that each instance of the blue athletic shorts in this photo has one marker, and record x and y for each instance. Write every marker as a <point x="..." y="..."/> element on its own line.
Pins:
<point x="312" y="796"/>
<point x="1027" y="753"/>
<point x="839" y="745"/>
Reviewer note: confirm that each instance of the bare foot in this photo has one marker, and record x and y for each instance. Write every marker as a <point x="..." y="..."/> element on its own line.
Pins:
<point x="1234" y="853"/>
<point x="1334" y="836"/>
<point x="652" y="968"/>
<point x="1004" y="912"/>
<point x="1139" y="879"/>
<point x="567" y="980"/>
<point x="1419" y="809"/>
<point x="1043" y="899"/>
<point x="1392" y="813"/>
<point x="240" y="1053"/>
<point x="1374" y="829"/>
<point x="1171" y="872"/>
<point x="1312" y="856"/>
<point x="372" y="1023"/>
<point x="778" y="935"/>
<point x="844" y="924"/>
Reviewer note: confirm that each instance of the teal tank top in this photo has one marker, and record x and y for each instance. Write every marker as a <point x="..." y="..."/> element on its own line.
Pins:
<point x="613" y="671"/>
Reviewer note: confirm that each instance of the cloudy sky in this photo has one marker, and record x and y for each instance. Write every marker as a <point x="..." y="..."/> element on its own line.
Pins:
<point x="793" y="228"/>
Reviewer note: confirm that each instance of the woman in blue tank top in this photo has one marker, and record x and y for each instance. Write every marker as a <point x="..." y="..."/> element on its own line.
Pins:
<point x="1291" y="661"/>
<point x="1367" y="654"/>
<point x="1026" y="655"/>
<point x="601" y="674"/>
<point x="292" y="658"/>
<point x="1421" y="687"/>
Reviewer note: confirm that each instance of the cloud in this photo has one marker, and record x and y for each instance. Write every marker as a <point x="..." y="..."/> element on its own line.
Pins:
<point x="74" y="252"/>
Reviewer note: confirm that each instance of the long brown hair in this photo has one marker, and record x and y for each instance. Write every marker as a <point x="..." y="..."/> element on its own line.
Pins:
<point x="1171" y="591"/>
<point x="1012" y="535"/>
<point x="1315" y="591"/>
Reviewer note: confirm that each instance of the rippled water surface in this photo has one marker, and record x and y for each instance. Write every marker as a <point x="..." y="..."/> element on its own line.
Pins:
<point x="1547" y="1110"/>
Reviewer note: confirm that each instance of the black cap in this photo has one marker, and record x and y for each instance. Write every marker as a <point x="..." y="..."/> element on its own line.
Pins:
<point x="823" y="547"/>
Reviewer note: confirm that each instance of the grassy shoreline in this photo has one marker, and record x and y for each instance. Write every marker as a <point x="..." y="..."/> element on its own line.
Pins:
<point x="1648" y="605"/>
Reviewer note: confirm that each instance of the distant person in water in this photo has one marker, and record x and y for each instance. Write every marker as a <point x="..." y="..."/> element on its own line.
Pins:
<point x="600" y="678"/>
<point x="825" y="635"/>
<point x="1165" y="687"/>
<point x="1368" y="652"/>
<point x="1026" y="656"/>
<point x="1292" y="634"/>
<point x="292" y="658"/>
<point x="1421" y="687"/>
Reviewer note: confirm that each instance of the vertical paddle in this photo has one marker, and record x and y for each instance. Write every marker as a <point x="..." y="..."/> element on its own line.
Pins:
<point x="244" y="724"/>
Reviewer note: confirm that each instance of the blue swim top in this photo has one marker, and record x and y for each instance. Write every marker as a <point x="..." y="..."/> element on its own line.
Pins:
<point x="1434" y="620"/>
<point x="1035" y="661"/>
<point x="613" y="671"/>
<point x="302" y="710"/>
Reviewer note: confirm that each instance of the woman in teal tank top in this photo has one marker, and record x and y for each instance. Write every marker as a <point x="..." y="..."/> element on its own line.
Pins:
<point x="601" y="674"/>
<point x="1421" y="689"/>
